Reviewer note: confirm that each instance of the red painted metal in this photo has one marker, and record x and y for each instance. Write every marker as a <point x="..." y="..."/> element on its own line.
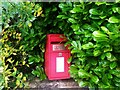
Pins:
<point x="56" y="56"/>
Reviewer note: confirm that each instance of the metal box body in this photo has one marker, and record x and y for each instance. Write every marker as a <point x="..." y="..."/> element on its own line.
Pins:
<point x="56" y="56"/>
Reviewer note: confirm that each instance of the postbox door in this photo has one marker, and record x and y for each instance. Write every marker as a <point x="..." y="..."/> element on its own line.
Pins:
<point x="59" y="65"/>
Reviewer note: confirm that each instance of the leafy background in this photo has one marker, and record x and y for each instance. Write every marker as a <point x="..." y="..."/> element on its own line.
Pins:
<point x="92" y="29"/>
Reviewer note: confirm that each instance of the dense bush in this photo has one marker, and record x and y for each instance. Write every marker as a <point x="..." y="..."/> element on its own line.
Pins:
<point x="95" y="39"/>
<point x="23" y="40"/>
<point x="22" y="51"/>
<point x="92" y="29"/>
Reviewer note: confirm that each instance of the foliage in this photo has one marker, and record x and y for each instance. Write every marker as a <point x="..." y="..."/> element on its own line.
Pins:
<point x="95" y="39"/>
<point x="92" y="29"/>
<point x="24" y="31"/>
<point x="21" y="48"/>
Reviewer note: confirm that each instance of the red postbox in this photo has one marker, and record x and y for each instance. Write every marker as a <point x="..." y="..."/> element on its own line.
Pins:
<point x="56" y="57"/>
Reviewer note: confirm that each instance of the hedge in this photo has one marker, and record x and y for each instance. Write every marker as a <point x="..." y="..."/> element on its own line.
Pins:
<point x="92" y="29"/>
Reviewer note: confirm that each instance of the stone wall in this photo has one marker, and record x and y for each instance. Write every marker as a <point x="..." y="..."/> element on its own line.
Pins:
<point x="55" y="84"/>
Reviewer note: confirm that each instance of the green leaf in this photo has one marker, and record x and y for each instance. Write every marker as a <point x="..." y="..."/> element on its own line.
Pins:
<point x="102" y="85"/>
<point x="64" y="17"/>
<point x="99" y="34"/>
<point x="104" y="63"/>
<point x="76" y="10"/>
<point x="105" y="80"/>
<point x="87" y="67"/>
<point x="17" y="82"/>
<point x="94" y="17"/>
<point x="93" y="62"/>
<point x="0" y="62"/>
<point x="34" y="72"/>
<point x="87" y="34"/>
<point x="117" y="1"/>
<point x="81" y="53"/>
<point x="6" y="25"/>
<point x="20" y="76"/>
<point x="74" y="44"/>
<point x="83" y="83"/>
<point x="94" y="11"/>
<point x="73" y="70"/>
<point x="114" y="19"/>
<point x="95" y="79"/>
<point x="32" y="32"/>
<point x="103" y="56"/>
<point x="83" y="74"/>
<point x="108" y="55"/>
<point x="102" y="17"/>
<point x="113" y="65"/>
<point x="109" y="76"/>
<point x="107" y="49"/>
<point x="32" y="19"/>
<point x="1" y="69"/>
<point x="89" y="27"/>
<point x="98" y="69"/>
<point x="54" y="9"/>
<point x="116" y="9"/>
<point x="60" y="16"/>
<point x="79" y="45"/>
<point x="100" y="3"/>
<point x="75" y="27"/>
<point x="1" y="87"/>
<point x="69" y="60"/>
<point x="117" y="79"/>
<point x="75" y="51"/>
<point x="88" y="45"/>
<point x="115" y="72"/>
<point x="117" y="84"/>
<point x="61" y="5"/>
<point x="96" y="52"/>
<point x="105" y="29"/>
<point x="14" y="74"/>
<point x="29" y="23"/>
<point x="111" y="57"/>
<point x="98" y="73"/>
<point x="72" y="20"/>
